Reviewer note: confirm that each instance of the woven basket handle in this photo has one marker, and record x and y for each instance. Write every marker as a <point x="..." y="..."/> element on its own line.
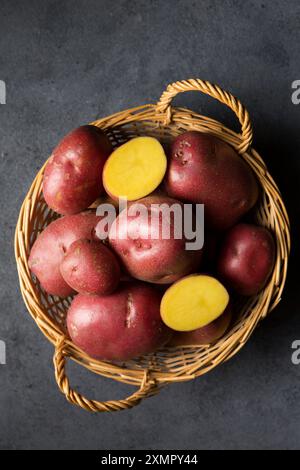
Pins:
<point x="164" y="105"/>
<point x="146" y="389"/>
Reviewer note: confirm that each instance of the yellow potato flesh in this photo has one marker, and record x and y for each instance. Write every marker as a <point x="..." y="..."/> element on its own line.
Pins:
<point x="193" y="302"/>
<point x="135" y="169"/>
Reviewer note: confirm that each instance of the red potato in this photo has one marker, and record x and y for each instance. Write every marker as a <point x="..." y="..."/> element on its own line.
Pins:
<point x="207" y="334"/>
<point x="51" y="245"/>
<point x="73" y="174"/>
<point x="90" y="267"/>
<point x="204" y="169"/>
<point x="145" y="253"/>
<point x="246" y="258"/>
<point x="120" y="326"/>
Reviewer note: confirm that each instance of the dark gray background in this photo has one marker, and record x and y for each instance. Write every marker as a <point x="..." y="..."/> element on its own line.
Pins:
<point x="66" y="63"/>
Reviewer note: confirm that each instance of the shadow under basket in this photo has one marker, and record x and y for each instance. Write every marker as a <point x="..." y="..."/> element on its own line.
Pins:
<point x="150" y="373"/>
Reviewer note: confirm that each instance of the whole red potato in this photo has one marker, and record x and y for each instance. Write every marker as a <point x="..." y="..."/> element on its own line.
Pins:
<point x="73" y="174"/>
<point x="51" y="245"/>
<point x="146" y="254"/>
<point x="204" y="169"/>
<point x="246" y="258"/>
<point x="205" y="335"/>
<point x="120" y="326"/>
<point x="90" y="267"/>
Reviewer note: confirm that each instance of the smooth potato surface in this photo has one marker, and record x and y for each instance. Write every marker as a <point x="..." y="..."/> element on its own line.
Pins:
<point x="120" y="326"/>
<point x="90" y="267"/>
<point x="204" y="169"/>
<point x="135" y="169"/>
<point x="193" y="302"/>
<point x="246" y="258"/>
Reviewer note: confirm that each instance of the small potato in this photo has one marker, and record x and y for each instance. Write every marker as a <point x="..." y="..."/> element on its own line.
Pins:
<point x="90" y="267"/>
<point x="246" y="258"/>
<point x="193" y="302"/>
<point x="73" y="174"/>
<point x="145" y="252"/>
<point x="51" y="245"/>
<point x="204" y="169"/>
<point x="207" y="334"/>
<point x="120" y="326"/>
<point x="135" y="169"/>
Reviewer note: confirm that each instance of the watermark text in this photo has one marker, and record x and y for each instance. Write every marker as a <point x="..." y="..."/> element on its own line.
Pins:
<point x="296" y="92"/>
<point x="2" y="352"/>
<point x="2" y="92"/>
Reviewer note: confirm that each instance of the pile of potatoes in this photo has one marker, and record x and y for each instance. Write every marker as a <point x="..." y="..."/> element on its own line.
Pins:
<point x="135" y="290"/>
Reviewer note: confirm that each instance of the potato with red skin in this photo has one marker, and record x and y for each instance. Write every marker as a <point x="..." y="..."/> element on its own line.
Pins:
<point x="90" y="267"/>
<point x="204" y="169"/>
<point x="73" y="175"/>
<point x="246" y="258"/>
<point x="145" y="253"/>
<point x="51" y="245"/>
<point x="207" y="334"/>
<point x="120" y="326"/>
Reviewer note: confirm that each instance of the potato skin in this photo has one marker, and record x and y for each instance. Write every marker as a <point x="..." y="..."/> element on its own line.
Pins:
<point x="206" y="335"/>
<point x="73" y="174"/>
<point x="120" y="326"/>
<point x="204" y="169"/>
<point x="246" y="258"/>
<point x="90" y="267"/>
<point x="149" y="257"/>
<point x="49" y="248"/>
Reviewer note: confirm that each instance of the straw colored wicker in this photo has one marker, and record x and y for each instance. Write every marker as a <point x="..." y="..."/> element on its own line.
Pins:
<point x="169" y="365"/>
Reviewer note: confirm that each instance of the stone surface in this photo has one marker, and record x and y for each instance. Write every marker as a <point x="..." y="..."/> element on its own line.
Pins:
<point x="66" y="63"/>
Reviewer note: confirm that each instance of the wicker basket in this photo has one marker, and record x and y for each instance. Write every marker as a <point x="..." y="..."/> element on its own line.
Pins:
<point x="151" y="372"/>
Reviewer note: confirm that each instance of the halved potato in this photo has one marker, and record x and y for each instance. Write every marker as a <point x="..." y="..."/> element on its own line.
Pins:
<point x="135" y="169"/>
<point x="193" y="302"/>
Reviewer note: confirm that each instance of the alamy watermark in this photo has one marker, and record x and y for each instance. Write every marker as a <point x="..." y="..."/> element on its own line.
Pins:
<point x="2" y="92"/>
<point x="296" y="354"/>
<point x="2" y="353"/>
<point x="296" y="92"/>
<point x="164" y="222"/>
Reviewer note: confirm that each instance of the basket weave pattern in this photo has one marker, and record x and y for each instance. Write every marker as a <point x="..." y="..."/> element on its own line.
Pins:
<point x="151" y="372"/>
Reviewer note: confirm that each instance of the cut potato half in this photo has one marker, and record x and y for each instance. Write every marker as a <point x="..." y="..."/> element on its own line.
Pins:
<point x="193" y="302"/>
<point x="135" y="169"/>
